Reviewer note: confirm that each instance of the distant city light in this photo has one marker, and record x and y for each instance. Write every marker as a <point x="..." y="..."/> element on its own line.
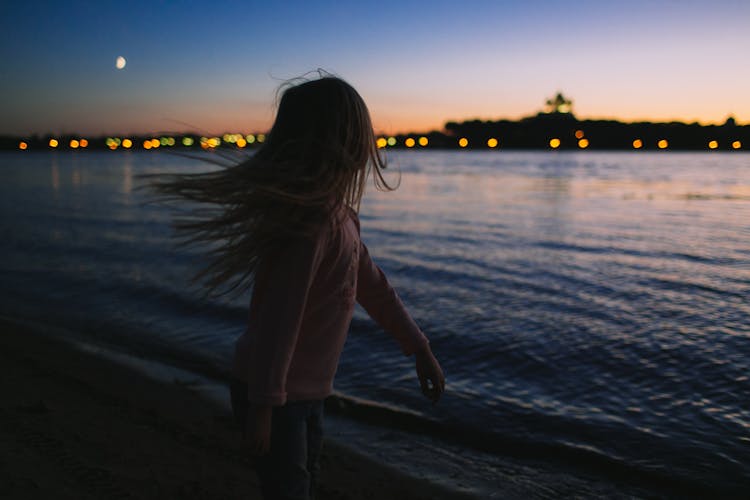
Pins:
<point x="74" y="144"/>
<point x="583" y="143"/>
<point x="229" y="138"/>
<point x="250" y="138"/>
<point x="554" y="143"/>
<point x="187" y="141"/>
<point x="579" y="134"/>
<point x="382" y="142"/>
<point x="423" y="141"/>
<point x="241" y="142"/>
<point x="147" y="144"/>
<point x="662" y="144"/>
<point x="391" y="141"/>
<point x="463" y="142"/>
<point x="23" y="145"/>
<point x="637" y="144"/>
<point x="84" y="143"/>
<point x="409" y="143"/>
<point x="261" y="137"/>
<point x="53" y="143"/>
<point x="127" y="143"/>
<point x="713" y="145"/>
<point x="492" y="142"/>
<point x="155" y="143"/>
<point x="736" y="145"/>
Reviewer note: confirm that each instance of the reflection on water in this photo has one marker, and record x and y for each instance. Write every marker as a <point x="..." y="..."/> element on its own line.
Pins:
<point x="597" y="301"/>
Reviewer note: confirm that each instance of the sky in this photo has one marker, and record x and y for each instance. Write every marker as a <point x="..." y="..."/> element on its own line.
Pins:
<point x="215" y="66"/>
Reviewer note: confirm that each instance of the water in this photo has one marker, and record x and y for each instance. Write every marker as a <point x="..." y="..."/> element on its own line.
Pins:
<point x="590" y="306"/>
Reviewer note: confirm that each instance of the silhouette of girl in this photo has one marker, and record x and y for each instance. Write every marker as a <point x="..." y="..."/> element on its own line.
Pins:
<point x="284" y="222"/>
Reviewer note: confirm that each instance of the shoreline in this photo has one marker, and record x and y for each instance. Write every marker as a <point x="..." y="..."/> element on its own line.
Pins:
<point x="78" y="420"/>
<point x="75" y="425"/>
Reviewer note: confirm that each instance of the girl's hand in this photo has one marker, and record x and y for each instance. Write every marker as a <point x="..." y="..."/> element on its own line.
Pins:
<point x="431" y="377"/>
<point x="256" y="437"/>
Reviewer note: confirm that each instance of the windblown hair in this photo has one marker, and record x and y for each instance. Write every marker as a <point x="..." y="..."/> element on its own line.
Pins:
<point x="314" y="162"/>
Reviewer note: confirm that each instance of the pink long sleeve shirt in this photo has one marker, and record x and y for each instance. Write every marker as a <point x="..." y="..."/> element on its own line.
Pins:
<point x="300" y="311"/>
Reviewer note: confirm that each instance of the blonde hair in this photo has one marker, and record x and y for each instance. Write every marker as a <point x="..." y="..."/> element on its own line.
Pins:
<point x="315" y="160"/>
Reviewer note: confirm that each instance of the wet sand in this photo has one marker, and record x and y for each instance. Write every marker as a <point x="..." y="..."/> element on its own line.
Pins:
<point x="73" y="425"/>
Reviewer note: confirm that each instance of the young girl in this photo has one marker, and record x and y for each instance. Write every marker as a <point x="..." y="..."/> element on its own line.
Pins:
<point x="285" y="222"/>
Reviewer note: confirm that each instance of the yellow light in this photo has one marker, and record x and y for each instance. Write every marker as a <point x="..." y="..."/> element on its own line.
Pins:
<point x="463" y="142"/>
<point x="229" y="138"/>
<point x="74" y="144"/>
<point x="381" y="142"/>
<point x="579" y="134"/>
<point x="23" y="145"/>
<point x="713" y="145"/>
<point x="736" y="145"/>
<point x="583" y="143"/>
<point x="423" y="141"/>
<point x="187" y="141"/>
<point x="391" y="141"/>
<point x="213" y="142"/>
<point x="554" y="143"/>
<point x="53" y="143"/>
<point x="113" y="146"/>
<point x="147" y="144"/>
<point x="250" y="138"/>
<point x="127" y="143"/>
<point x="492" y="142"/>
<point x="663" y="144"/>
<point x="637" y="144"/>
<point x="84" y="143"/>
<point x="155" y="143"/>
<point x="241" y="142"/>
<point x="110" y="141"/>
<point x="409" y="143"/>
<point x="261" y="137"/>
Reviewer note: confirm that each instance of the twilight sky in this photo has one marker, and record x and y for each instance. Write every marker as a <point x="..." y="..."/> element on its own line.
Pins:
<point x="215" y="65"/>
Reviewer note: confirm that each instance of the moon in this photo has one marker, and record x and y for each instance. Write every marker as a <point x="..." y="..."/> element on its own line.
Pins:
<point x="120" y="62"/>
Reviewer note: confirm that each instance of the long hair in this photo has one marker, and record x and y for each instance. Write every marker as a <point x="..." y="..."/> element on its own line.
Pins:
<point x="315" y="161"/>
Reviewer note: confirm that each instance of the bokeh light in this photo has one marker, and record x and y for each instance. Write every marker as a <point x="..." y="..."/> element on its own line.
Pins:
<point x="637" y="144"/>
<point x="23" y="145"/>
<point x="463" y="142"/>
<point x="391" y="141"/>
<point x="84" y="143"/>
<point x="240" y="142"/>
<point x="53" y="143"/>
<point x="250" y="138"/>
<point x="583" y="143"/>
<point x="74" y="144"/>
<point x="736" y="145"/>
<point x="663" y="144"/>
<point x="713" y="144"/>
<point x="554" y="143"/>
<point x="423" y="141"/>
<point x="382" y="142"/>
<point x="261" y="137"/>
<point x="127" y="143"/>
<point x="409" y="143"/>
<point x="492" y="142"/>
<point x="579" y="134"/>
<point x="147" y="144"/>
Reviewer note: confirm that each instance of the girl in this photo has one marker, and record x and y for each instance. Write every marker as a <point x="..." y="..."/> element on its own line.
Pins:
<point x="285" y="222"/>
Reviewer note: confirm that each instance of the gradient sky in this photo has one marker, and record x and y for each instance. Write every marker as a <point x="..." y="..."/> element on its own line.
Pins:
<point x="216" y="65"/>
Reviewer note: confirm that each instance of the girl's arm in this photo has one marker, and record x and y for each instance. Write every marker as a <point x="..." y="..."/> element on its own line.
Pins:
<point x="383" y="305"/>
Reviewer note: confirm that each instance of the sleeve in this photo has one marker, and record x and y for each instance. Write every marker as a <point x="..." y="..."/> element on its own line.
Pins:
<point x="383" y="305"/>
<point x="276" y="311"/>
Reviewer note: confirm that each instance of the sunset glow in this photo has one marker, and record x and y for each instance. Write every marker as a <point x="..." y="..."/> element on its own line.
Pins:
<point x="185" y="71"/>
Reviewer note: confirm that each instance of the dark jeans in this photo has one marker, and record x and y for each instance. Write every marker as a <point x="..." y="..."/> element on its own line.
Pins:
<point x="289" y="469"/>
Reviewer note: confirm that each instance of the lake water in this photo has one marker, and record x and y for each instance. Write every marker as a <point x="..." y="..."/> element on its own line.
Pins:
<point x="586" y="305"/>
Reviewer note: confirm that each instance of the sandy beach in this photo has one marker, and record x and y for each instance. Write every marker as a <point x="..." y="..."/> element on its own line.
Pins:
<point x="73" y="425"/>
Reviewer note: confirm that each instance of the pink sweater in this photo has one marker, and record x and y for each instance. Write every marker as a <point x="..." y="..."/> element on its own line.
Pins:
<point x="300" y="312"/>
